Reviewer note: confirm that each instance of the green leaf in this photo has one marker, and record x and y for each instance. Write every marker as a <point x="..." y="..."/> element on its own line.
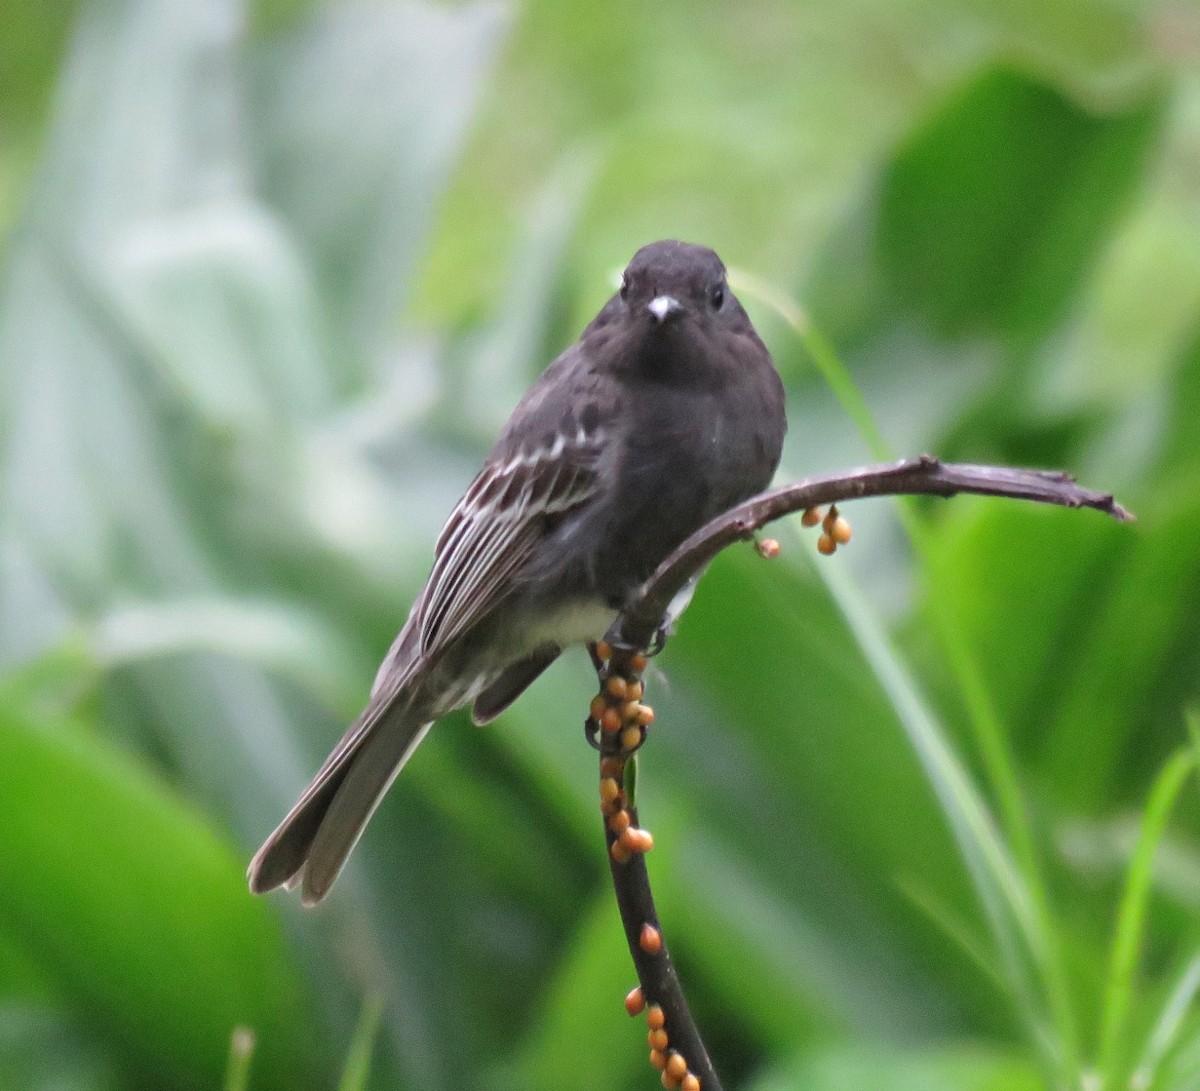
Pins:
<point x="994" y="208"/>
<point x="853" y="1069"/>
<point x="289" y="641"/>
<point x="139" y="913"/>
<point x="1020" y="929"/>
<point x="580" y="1021"/>
<point x="1118" y="673"/>
<point x="1021" y="620"/>
<point x="357" y="120"/>
<point x="787" y="765"/>
<point x="45" y="1049"/>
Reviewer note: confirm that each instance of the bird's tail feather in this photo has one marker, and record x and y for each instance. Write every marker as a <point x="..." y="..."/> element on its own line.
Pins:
<point x="311" y="844"/>
<point x="378" y="762"/>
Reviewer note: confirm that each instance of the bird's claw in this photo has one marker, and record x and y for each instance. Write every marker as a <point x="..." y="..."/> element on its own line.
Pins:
<point x="659" y="642"/>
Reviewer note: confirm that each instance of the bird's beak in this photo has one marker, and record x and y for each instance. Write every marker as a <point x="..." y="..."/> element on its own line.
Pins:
<point x="663" y="306"/>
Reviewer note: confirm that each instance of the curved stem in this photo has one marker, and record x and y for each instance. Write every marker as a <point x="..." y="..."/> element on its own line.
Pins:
<point x="656" y="974"/>
<point x="619" y="667"/>
<point x="925" y="475"/>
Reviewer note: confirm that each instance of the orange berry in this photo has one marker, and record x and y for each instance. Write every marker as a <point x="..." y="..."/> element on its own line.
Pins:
<point x="657" y="1039"/>
<point x="841" y="531"/>
<point x="631" y="738"/>
<point x="635" y="1001"/>
<point x="669" y="1081"/>
<point x="629" y="711"/>
<point x="619" y="853"/>
<point x="619" y="822"/>
<point x="691" y="1082"/>
<point x="609" y="789"/>
<point x="655" y="1017"/>
<point x="645" y="715"/>
<point x="811" y="517"/>
<point x="635" y="691"/>
<point x="768" y="548"/>
<point x="644" y="841"/>
<point x="658" y="1059"/>
<point x="639" y="663"/>
<point x="826" y="545"/>
<point x="603" y="650"/>
<point x="650" y="940"/>
<point x="637" y="840"/>
<point x="676" y="1065"/>
<point x="612" y="767"/>
<point x="617" y="687"/>
<point x="597" y="707"/>
<point x="611" y="720"/>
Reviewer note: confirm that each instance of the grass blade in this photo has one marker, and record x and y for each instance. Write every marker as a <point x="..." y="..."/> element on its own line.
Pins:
<point x="982" y="716"/>
<point x="358" y="1061"/>
<point x="241" y="1050"/>
<point x="1165" y="1032"/>
<point x="1131" y="915"/>
<point x="1028" y="953"/>
<point x="983" y="719"/>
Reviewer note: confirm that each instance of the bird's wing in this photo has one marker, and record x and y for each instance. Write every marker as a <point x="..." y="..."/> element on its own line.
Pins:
<point x="512" y="504"/>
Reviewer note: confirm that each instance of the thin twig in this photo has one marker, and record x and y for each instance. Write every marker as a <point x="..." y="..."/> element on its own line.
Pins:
<point x="638" y="627"/>
<point x="926" y="475"/>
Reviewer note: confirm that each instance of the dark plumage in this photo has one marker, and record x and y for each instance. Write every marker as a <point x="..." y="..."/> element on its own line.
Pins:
<point x="665" y="413"/>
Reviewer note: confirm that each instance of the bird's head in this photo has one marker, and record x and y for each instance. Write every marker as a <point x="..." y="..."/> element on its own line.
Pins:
<point x="669" y="282"/>
<point x="674" y="318"/>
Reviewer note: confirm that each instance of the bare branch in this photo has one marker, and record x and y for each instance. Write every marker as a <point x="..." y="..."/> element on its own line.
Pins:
<point x="924" y="475"/>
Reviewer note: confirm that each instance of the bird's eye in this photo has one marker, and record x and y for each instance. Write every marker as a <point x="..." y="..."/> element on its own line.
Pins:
<point x="624" y="287"/>
<point x="717" y="296"/>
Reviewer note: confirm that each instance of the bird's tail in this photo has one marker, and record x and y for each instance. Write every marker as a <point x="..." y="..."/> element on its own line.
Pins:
<point x="311" y="844"/>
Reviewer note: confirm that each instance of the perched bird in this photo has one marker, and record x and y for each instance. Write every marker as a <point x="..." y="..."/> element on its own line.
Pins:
<point x="665" y="413"/>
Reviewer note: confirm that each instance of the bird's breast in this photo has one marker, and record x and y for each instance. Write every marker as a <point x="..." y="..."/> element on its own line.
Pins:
<point x="578" y="620"/>
<point x="685" y="460"/>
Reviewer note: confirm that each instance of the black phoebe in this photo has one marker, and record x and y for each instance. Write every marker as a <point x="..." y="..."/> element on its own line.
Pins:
<point x="665" y="413"/>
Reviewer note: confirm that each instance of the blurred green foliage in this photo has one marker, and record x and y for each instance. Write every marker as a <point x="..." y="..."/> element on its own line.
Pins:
<point x="926" y="814"/>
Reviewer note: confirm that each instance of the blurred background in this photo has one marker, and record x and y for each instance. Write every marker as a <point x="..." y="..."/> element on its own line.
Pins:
<point x="273" y="275"/>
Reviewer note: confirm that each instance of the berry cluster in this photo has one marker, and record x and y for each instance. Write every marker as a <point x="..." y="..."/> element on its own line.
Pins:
<point x="670" y="1062"/>
<point x="617" y="723"/>
<point x="835" y="528"/>
<point x="618" y="707"/>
